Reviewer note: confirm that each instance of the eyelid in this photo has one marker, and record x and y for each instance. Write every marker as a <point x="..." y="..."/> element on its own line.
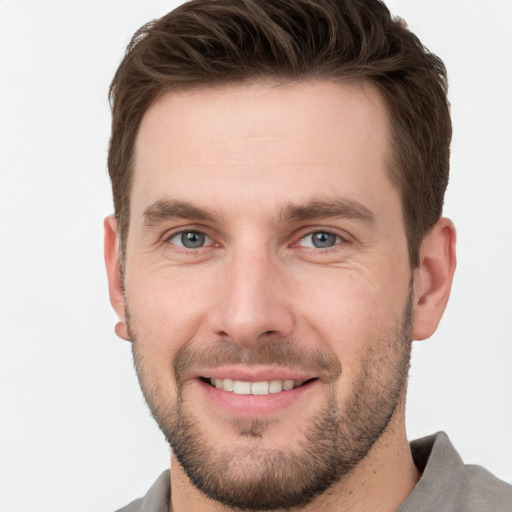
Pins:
<point x="338" y="240"/>
<point x="342" y="235"/>
<point x="207" y="240"/>
<point x="174" y="232"/>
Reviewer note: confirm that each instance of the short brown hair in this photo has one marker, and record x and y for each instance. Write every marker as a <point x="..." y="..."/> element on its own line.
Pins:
<point x="213" y="42"/>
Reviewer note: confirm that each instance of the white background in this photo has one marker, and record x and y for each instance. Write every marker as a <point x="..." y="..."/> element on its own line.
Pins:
<point x="75" y="434"/>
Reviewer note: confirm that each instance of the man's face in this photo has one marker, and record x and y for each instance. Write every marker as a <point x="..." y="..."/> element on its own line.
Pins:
<point x="267" y="254"/>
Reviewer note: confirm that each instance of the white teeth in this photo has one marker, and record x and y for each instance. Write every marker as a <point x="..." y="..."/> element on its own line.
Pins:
<point x="255" y="388"/>
<point x="259" y="388"/>
<point x="229" y="385"/>
<point x="287" y="385"/>
<point x="275" y="386"/>
<point x="242" y="388"/>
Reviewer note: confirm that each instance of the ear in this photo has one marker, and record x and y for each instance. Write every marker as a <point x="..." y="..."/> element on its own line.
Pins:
<point x="115" y="286"/>
<point x="433" y="278"/>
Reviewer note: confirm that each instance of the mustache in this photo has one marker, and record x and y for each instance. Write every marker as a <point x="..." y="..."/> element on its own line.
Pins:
<point x="322" y="363"/>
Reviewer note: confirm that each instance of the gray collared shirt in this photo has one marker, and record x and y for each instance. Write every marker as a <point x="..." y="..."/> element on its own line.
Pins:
<point x="446" y="484"/>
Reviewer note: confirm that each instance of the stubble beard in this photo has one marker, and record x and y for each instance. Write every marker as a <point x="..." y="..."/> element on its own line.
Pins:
<point x="334" y="442"/>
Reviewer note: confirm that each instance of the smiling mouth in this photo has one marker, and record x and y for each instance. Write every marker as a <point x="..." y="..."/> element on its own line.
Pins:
<point x="265" y="387"/>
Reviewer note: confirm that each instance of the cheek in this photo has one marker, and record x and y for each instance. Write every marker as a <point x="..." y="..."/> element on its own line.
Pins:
<point x="164" y="316"/>
<point x="351" y="310"/>
<point x="165" y="311"/>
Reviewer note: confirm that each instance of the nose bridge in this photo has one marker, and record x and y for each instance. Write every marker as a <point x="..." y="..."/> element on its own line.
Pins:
<point x="253" y="297"/>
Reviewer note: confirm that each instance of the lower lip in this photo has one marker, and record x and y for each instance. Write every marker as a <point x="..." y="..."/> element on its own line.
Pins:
<point x="254" y="405"/>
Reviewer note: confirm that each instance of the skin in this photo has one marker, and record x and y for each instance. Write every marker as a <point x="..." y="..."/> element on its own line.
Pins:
<point x="246" y="155"/>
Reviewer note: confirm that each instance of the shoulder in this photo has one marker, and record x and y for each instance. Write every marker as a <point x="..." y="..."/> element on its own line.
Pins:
<point x="480" y="489"/>
<point x="134" y="506"/>
<point x="449" y="485"/>
<point x="157" y="498"/>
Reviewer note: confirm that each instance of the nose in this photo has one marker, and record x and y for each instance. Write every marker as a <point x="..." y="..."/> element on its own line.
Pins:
<point x="253" y="302"/>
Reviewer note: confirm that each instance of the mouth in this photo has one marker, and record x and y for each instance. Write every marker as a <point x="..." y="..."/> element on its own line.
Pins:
<point x="260" y="388"/>
<point x="251" y="392"/>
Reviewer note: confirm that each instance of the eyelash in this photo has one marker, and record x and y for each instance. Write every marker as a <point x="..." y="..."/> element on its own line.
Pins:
<point x="339" y="240"/>
<point x="170" y="237"/>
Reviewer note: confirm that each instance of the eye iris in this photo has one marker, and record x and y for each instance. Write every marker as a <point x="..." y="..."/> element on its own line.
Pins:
<point x="192" y="239"/>
<point x="322" y="240"/>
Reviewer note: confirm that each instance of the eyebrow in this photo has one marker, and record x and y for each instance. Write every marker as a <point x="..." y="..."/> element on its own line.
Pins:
<point x="165" y="210"/>
<point x="326" y="208"/>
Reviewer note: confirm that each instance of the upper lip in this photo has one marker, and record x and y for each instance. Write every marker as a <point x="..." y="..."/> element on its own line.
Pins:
<point x="253" y="374"/>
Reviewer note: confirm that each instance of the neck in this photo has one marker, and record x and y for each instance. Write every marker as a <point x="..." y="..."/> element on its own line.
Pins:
<point x="381" y="481"/>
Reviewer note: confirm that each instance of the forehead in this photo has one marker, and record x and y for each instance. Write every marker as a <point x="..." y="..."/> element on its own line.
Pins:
<point x="264" y="143"/>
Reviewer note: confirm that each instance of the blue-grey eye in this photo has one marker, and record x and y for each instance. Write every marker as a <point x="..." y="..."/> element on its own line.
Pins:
<point x="190" y="239"/>
<point x="320" y="240"/>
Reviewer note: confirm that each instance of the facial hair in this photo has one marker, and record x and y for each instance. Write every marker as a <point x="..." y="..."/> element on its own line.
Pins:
<point x="334" y="442"/>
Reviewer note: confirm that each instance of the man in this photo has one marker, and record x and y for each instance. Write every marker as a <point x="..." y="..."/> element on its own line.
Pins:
<point x="278" y="170"/>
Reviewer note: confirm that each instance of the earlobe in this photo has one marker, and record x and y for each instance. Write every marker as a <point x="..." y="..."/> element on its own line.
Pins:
<point x="121" y="329"/>
<point x="433" y="278"/>
<point x="115" y="285"/>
